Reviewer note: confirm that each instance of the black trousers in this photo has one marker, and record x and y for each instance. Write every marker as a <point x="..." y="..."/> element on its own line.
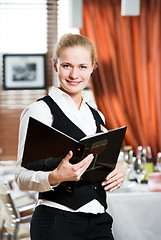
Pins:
<point x="53" y="224"/>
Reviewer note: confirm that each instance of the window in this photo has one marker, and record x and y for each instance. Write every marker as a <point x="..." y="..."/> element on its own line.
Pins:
<point x="29" y="26"/>
<point x="23" y="26"/>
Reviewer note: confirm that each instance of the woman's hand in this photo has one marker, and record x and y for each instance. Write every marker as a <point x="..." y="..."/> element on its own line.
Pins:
<point x="69" y="172"/>
<point x="115" y="179"/>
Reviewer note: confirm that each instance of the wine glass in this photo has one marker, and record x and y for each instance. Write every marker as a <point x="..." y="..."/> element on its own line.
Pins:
<point x="158" y="161"/>
<point x="140" y="168"/>
<point x="127" y="156"/>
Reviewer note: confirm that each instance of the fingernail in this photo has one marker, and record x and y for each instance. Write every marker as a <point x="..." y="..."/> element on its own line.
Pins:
<point x="106" y="188"/>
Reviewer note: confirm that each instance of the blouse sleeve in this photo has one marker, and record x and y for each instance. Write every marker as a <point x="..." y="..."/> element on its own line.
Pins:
<point x="28" y="179"/>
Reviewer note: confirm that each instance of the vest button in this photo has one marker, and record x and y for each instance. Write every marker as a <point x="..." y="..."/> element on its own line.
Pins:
<point x="94" y="187"/>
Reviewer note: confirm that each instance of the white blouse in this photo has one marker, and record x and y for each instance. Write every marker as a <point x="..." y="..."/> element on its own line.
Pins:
<point x="83" y="118"/>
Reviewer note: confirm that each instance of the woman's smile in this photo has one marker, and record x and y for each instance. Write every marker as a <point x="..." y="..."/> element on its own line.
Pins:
<point x="73" y="82"/>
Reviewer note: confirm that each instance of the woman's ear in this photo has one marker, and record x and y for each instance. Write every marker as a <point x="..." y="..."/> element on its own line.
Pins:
<point x="55" y="66"/>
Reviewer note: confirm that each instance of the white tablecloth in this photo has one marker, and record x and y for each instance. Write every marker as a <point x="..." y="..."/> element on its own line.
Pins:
<point x="136" y="213"/>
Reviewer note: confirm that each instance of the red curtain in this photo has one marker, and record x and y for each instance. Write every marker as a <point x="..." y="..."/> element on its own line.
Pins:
<point x="127" y="82"/>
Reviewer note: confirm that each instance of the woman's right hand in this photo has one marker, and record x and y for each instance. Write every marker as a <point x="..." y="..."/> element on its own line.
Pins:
<point x="69" y="172"/>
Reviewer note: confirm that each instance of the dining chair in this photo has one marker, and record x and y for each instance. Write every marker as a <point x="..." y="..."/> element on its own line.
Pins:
<point x="14" y="225"/>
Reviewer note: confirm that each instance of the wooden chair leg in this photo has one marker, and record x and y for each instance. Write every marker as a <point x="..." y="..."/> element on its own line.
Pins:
<point x="2" y="230"/>
<point x="9" y="237"/>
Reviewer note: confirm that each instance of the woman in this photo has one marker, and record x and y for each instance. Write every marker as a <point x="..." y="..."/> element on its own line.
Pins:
<point x="59" y="214"/>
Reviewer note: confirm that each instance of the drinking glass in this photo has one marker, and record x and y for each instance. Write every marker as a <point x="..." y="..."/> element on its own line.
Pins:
<point x="140" y="168"/>
<point x="158" y="161"/>
<point x="139" y="151"/>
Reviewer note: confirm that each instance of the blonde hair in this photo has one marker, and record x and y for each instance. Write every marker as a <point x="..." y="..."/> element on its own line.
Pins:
<point x="72" y="40"/>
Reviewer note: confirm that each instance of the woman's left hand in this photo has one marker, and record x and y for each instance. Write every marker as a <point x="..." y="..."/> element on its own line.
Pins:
<point x="115" y="179"/>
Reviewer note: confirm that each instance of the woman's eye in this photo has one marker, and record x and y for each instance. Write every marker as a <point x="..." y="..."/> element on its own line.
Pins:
<point x="66" y="66"/>
<point x="83" y="67"/>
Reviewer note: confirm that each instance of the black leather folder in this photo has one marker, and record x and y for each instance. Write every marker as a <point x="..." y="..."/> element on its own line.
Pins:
<point x="45" y="147"/>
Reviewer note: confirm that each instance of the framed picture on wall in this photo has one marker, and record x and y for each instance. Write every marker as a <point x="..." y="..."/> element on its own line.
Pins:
<point x="24" y="71"/>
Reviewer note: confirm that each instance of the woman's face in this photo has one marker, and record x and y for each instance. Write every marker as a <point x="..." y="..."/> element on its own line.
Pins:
<point x="74" y="68"/>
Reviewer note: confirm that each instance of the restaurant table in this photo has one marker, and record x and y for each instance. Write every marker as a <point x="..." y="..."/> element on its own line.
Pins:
<point x="136" y="213"/>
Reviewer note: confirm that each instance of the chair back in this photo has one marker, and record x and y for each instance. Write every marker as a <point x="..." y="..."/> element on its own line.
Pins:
<point x="9" y="212"/>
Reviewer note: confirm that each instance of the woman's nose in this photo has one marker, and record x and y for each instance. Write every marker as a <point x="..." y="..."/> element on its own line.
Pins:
<point x="74" y="73"/>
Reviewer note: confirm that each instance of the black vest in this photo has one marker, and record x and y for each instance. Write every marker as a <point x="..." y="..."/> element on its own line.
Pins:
<point x="84" y="191"/>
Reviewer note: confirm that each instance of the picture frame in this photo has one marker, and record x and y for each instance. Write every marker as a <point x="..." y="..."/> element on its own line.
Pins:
<point x="24" y="71"/>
